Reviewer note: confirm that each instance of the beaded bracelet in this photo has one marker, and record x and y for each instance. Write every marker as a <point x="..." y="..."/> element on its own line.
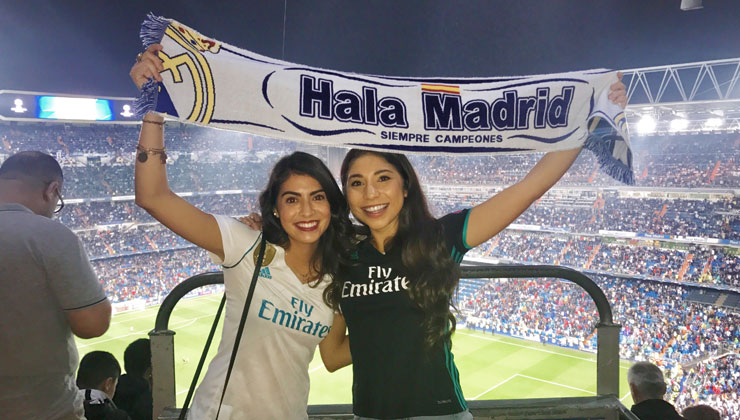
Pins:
<point x="144" y="152"/>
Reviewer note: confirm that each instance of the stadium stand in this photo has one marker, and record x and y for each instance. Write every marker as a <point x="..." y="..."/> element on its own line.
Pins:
<point x="664" y="251"/>
<point x="658" y="321"/>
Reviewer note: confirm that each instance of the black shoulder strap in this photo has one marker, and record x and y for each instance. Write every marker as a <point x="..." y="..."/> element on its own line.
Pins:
<point x="207" y="346"/>
<point x="202" y="360"/>
<point x="243" y="321"/>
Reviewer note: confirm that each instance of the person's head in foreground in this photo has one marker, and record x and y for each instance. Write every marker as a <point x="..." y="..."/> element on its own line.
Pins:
<point x="646" y="382"/>
<point x="99" y="370"/>
<point x="701" y="412"/>
<point x="137" y="359"/>
<point x="34" y="180"/>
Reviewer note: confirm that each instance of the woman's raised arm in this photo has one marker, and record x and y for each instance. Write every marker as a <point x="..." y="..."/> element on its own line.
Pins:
<point x="491" y="217"/>
<point x="153" y="194"/>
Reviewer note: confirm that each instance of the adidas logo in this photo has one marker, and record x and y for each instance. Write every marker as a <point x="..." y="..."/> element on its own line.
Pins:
<point x="265" y="273"/>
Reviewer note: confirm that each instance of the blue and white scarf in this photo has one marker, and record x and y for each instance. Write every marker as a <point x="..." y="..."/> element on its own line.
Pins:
<point x="212" y="83"/>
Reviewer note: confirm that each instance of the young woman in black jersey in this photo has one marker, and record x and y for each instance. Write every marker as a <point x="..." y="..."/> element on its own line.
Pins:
<point x="396" y="298"/>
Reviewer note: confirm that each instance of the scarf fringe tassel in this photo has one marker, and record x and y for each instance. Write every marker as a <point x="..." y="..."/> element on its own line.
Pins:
<point x="152" y="32"/>
<point x="608" y="164"/>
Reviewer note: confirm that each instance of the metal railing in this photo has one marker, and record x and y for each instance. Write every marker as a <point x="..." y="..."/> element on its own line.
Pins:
<point x="607" y="357"/>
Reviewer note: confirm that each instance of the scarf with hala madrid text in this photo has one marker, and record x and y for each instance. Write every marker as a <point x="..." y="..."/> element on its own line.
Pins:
<point x="210" y="83"/>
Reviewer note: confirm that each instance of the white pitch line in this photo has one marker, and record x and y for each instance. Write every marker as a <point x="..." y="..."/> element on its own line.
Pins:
<point x="200" y="300"/>
<point x="315" y="369"/>
<point x="532" y="348"/>
<point x="555" y="383"/>
<point x="625" y="396"/>
<point x="175" y="324"/>
<point x="494" y="387"/>
<point x="192" y="321"/>
<point x="123" y="321"/>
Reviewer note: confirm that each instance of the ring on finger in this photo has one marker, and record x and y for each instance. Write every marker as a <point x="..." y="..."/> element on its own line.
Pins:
<point x="138" y="57"/>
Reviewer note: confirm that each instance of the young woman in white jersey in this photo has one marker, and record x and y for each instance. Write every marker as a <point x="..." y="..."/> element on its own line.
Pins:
<point x="396" y="298"/>
<point x="308" y="235"/>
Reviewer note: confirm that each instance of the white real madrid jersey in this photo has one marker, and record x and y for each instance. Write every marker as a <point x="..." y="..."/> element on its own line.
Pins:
<point x="286" y="320"/>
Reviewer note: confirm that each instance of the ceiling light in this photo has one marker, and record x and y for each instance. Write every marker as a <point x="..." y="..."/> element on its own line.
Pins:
<point x="679" y="124"/>
<point x="646" y="124"/>
<point x="714" y="123"/>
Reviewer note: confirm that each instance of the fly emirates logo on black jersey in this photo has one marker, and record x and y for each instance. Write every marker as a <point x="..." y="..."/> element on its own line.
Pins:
<point x="382" y="281"/>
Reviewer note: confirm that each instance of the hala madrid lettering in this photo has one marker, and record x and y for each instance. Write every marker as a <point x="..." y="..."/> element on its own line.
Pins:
<point x="443" y="111"/>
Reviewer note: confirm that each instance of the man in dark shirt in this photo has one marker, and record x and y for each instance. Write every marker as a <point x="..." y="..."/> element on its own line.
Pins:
<point x="648" y="388"/>
<point x="134" y="394"/>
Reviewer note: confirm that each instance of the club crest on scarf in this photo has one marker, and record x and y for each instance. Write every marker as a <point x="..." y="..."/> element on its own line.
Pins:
<point x="199" y="72"/>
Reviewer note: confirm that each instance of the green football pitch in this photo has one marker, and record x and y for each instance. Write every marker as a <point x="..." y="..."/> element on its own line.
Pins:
<point x="491" y="366"/>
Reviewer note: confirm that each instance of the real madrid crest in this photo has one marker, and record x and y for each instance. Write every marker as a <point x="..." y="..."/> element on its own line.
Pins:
<point x="269" y="254"/>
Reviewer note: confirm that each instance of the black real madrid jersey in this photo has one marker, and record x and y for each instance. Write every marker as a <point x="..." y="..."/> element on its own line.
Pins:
<point x="393" y="375"/>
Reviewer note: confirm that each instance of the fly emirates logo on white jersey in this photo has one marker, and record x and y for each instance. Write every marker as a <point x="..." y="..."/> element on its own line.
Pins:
<point x="381" y="281"/>
<point x="296" y="318"/>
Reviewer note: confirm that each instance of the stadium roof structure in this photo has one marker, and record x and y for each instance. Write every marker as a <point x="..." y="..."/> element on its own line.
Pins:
<point x="691" y="98"/>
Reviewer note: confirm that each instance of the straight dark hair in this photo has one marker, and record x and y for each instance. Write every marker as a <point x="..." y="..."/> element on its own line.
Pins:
<point x="423" y="252"/>
<point x="137" y="357"/>
<point x="336" y="244"/>
<point x="96" y="367"/>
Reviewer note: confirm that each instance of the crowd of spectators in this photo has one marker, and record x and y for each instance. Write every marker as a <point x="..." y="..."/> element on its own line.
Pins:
<point x="658" y="324"/>
<point x="118" y="139"/>
<point x="695" y="161"/>
<point x="694" y="264"/>
<point x="692" y="161"/>
<point x="119" y="228"/>
<point x="714" y="382"/>
<point x="92" y="214"/>
<point x="219" y="173"/>
<point x="587" y="211"/>
<point x="150" y="276"/>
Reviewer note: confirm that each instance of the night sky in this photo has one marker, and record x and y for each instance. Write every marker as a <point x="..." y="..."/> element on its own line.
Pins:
<point x="87" y="47"/>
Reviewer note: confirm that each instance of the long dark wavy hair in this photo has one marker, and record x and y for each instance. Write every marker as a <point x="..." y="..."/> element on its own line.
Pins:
<point x="423" y="253"/>
<point x="336" y="243"/>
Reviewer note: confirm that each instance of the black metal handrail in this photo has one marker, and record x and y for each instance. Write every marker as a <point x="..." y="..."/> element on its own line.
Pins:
<point x="493" y="271"/>
<point x="607" y="341"/>
<point x="182" y="289"/>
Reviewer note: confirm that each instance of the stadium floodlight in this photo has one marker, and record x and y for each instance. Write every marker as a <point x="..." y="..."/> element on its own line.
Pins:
<point x="691" y="5"/>
<point x="679" y="124"/>
<point x="646" y="125"/>
<point x="714" y="123"/>
<point x="19" y="108"/>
